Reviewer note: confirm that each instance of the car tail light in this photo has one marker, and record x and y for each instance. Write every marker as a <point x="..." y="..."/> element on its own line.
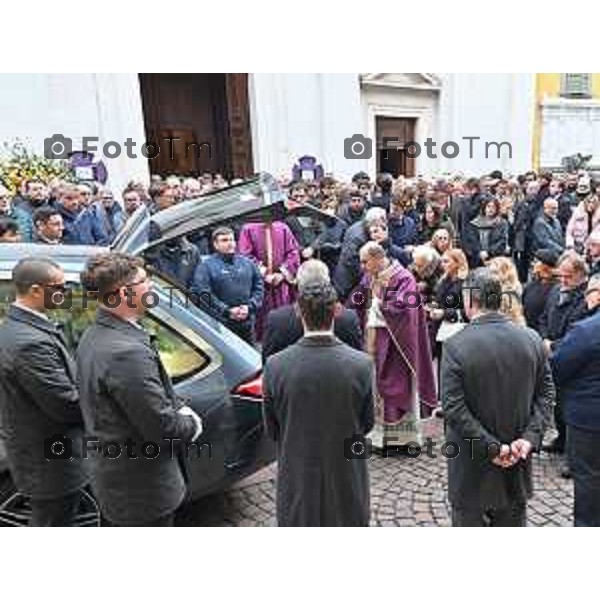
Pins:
<point x="253" y="388"/>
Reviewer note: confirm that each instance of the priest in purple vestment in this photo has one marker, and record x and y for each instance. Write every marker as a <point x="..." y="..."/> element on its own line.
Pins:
<point x="275" y="250"/>
<point x="392" y="313"/>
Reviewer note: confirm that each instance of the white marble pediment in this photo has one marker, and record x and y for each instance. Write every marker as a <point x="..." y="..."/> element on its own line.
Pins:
<point x="419" y="81"/>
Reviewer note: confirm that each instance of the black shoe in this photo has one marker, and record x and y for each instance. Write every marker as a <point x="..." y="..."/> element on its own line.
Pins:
<point x="566" y="473"/>
<point x="555" y="447"/>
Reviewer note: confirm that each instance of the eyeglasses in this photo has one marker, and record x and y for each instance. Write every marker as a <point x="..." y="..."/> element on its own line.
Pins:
<point x="56" y="287"/>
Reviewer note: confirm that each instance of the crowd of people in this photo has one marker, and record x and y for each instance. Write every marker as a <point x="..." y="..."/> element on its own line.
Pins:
<point x="384" y="264"/>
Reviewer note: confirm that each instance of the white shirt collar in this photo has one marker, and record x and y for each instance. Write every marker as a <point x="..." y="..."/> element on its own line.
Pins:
<point x="311" y="334"/>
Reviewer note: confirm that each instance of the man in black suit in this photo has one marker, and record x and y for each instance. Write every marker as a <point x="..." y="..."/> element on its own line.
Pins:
<point x="39" y="404"/>
<point x="128" y="403"/>
<point x="284" y="326"/>
<point x="497" y="393"/>
<point x="318" y="407"/>
<point x="565" y="306"/>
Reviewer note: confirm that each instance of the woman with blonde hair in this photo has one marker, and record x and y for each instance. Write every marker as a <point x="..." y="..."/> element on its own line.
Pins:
<point x="448" y="302"/>
<point x="512" y="290"/>
<point x="441" y="241"/>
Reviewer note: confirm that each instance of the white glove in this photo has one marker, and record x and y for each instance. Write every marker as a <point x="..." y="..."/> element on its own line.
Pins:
<point x="186" y="411"/>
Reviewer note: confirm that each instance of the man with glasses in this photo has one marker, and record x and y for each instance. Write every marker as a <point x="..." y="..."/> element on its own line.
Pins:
<point x="564" y="307"/>
<point x="129" y="404"/>
<point x="576" y="366"/>
<point x="39" y="402"/>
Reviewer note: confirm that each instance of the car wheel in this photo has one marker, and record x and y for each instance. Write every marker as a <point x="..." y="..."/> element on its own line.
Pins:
<point x="15" y="508"/>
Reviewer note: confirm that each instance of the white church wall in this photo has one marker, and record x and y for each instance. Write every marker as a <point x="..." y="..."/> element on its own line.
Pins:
<point x="293" y="114"/>
<point x="36" y="106"/>
<point x="496" y="107"/>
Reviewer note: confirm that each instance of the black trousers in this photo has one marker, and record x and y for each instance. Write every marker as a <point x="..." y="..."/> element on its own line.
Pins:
<point x="584" y="462"/>
<point x="243" y="329"/>
<point x="511" y="516"/>
<point x="559" y="421"/>
<point x="56" y="512"/>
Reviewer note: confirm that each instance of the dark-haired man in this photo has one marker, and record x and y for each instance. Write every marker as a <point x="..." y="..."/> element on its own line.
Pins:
<point x="318" y="406"/>
<point x="36" y="196"/>
<point x="39" y="403"/>
<point x="128" y="400"/>
<point x="9" y="231"/>
<point x="232" y="282"/>
<point x="492" y="425"/>
<point x="49" y="226"/>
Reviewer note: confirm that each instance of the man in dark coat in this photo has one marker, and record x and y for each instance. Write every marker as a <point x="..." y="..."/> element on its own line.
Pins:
<point x="129" y="404"/>
<point x="348" y="273"/>
<point x="564" y="307"/>
<point x="538" y="288"/>
<point x="403" y="230"/>
<point x="576" y="367"/>
<point x="233" y="284"/>
<point x="492" y="424"/>
<point x="36" y="196"/>
<point x="48" y="226"/>
<point x="177" y="259"/>
<point x="318" y="407"/>
<point x="39" y="404"/>
<point x="593" y="252"/>
<point x="284" y="326"/>
<point x="547" y="232"/>
<point x="354" y="210"/>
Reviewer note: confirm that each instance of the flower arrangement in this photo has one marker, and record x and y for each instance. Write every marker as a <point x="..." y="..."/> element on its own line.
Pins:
<point x="18" y="164"/>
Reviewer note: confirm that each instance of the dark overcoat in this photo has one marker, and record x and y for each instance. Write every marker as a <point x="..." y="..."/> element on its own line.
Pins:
<point x="39" y="401"/>
<point x="318" y="395"/>
<point x="127" y="395"/>
<point x="496" y="387"/>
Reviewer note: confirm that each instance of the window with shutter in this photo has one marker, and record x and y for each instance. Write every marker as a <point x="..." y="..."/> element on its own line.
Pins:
<point x="576" y="85"/>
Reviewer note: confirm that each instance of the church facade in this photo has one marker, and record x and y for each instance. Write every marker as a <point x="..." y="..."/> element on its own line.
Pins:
<point x="238" y="123"/>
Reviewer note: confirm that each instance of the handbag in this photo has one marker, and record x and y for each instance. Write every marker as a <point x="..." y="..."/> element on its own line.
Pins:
<point x="447" y="329"/>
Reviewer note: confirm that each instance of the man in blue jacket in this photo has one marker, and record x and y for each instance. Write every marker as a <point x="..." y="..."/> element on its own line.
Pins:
<point x="69" y="208"/>
<point x="576" y="367"/>
<point x="229" y="285"/>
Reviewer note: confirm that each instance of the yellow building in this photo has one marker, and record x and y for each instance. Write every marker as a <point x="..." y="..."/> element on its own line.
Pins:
<point x="566" y="117"/>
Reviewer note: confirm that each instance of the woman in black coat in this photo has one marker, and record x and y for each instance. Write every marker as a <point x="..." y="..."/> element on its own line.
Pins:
<point x="486" y="235"/>
<point x="535" y="292"/>
<point x="447" y="300"/>
<point x="433" y="220"/>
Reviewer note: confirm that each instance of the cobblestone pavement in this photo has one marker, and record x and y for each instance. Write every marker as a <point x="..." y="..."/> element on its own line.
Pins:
<point x="404" y="492"/>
